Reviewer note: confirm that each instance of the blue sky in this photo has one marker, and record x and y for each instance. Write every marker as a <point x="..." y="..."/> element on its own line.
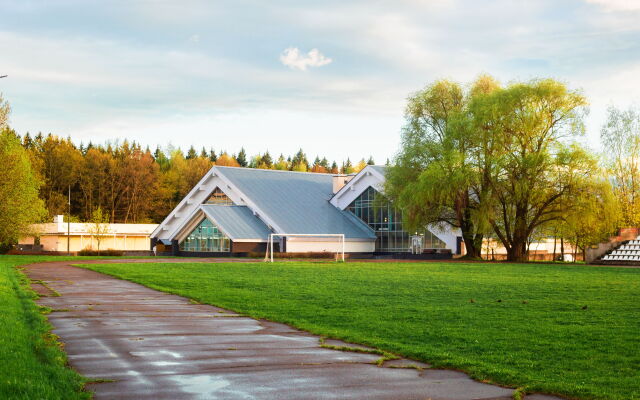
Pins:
<point x="226" y="74"/>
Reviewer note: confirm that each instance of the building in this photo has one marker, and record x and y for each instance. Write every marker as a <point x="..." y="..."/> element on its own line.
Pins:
<point x="52" y="237"/>
<point x="234" y="211"/>
<point x="542" y="249"/>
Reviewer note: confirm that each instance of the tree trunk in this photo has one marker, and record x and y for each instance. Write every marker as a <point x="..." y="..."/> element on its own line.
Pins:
<point x="472" y="240"/>
<point x="518" y="250"/>
<point x="554" y="248"/>
<point x="561" y="249"/>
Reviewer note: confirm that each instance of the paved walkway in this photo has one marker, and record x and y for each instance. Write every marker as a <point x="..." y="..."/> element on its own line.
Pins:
<point x="144" y="344"/>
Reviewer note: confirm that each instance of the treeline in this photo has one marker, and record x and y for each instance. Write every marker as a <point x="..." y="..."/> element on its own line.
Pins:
<point x="132" y="184"/>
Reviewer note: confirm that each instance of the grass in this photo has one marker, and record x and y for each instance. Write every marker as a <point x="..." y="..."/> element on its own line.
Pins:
<point x="32" y="362"/>
<point x="558" y="329"/>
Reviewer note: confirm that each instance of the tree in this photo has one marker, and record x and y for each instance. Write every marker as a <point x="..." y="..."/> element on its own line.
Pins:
<point x="99" y="226"/>
<point x="620" y="136"/>
<point x="265" y="161"/>
<point x="242" y="158"/>
<point x="370" y="161"/>
<point x="437" y="177"/>
<point x="225" y="160"/>
<point x="191" y="153"/>
<point x="347" y="168"/>
<point x="19" y="202"/>
<point x="5" y="110"/>
<point x="360" y="166"/>
<point x="281" y="164"/>
<point x="300" y="162"/>
<point x="594" y="217"/>
<point x="212" y="156"/>
<point x="535" y="176"/>
<point x="59" y="162"/>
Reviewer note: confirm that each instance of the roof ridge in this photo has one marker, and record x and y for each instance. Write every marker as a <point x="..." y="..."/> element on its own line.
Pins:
<point x="275" y="170"/>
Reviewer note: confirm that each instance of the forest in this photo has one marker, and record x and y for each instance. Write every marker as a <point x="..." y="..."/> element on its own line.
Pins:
<point x="132" y="184"/>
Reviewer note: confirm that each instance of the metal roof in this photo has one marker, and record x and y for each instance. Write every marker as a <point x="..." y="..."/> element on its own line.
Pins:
<point x="379" y="168"/>
<point x="237" y="222"/>
<point x="297" y="202"/>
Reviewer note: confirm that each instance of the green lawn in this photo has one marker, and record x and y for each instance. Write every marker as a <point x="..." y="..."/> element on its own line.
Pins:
<point x="32" y="366"/>
<point x="570" y="330"/>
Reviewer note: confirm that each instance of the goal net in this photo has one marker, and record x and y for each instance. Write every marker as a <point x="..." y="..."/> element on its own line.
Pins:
<point x="339" y="242"/>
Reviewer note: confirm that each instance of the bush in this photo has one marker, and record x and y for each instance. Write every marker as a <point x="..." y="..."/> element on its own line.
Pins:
<point x="108" y="252"/>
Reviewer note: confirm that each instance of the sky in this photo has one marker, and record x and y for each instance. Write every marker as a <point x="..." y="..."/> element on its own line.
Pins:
<point x="330" y="77"/>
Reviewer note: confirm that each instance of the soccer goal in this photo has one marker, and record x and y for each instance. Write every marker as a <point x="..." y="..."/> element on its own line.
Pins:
<point x="339" y="249"/>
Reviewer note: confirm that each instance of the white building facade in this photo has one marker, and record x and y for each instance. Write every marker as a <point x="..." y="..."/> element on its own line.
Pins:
<point x="234" y="211"/>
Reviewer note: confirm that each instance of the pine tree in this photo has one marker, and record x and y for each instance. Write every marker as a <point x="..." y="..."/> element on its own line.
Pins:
<point x="370" y="161"/>
<point x="212" y="156"/>
<point x="242" y="158"/>
<point x="265" y="161"/>
<point x="203" y="153"/>
<point x="191" y="154"/>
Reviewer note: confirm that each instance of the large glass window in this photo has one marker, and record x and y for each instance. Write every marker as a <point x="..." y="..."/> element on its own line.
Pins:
<point x="386" y="221"/>
<point x="219" y="197"/>
<point x="206" y="237"/>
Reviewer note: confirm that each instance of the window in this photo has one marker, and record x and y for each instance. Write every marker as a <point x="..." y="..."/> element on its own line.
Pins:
<point x="386" y="221"/>
<point x="218" y="197"/>
<point x="206" y="237"/>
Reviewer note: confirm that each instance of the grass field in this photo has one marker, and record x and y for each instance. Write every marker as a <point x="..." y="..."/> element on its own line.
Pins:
<point x="569" y="330"/>
<point x="32" y="365"/>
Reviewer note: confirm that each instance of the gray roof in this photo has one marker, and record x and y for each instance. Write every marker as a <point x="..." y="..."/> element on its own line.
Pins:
<point x="380" y="168"/>
<point x="237" y="222"/>
<point x="297" y="202"/>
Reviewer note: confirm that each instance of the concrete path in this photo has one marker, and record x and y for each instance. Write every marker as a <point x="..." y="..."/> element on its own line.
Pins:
<point x="144" y="344"/>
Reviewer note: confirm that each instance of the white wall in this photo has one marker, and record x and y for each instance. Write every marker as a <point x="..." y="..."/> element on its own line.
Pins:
<point x="333" y="245"/>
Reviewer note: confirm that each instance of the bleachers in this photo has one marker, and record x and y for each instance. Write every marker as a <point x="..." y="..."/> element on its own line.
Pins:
<point x="626" y="253"/>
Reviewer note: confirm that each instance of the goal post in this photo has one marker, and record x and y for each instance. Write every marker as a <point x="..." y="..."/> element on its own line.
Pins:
<point x="339" y="251"/>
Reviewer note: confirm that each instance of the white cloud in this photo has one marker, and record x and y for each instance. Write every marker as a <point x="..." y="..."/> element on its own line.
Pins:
<point x="293" y="59"/>
<point x="195" y="38"/>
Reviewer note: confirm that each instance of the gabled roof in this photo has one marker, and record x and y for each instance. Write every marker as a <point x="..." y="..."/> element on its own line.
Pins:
<point x="375" y="170"/>
<point x="237" y="222"/>
<point x="296" y="202"/>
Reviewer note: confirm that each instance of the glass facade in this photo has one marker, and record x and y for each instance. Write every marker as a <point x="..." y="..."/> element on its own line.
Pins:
<point x="386" y="221"/>
<point x="218" y="197"/>
<point x="206" y="237"/>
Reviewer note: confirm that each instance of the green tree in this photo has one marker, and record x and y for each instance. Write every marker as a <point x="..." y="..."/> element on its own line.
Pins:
<point x="242" y="158"/>
<point x="535" y="176"/>
<point x="5" y="110"/>
<point x="347" y="167"/>
<point x="437" y="177"/>
<point x="593" y="217"/>
<point x="20" y="205"/>
<point x="281" y="164"/>
<point x="191" y="153"/>
<point x="620" y="136"/>
<point x="300" y="162"/>
<point x="99" y="226"/>
<point x="265" y="161"/>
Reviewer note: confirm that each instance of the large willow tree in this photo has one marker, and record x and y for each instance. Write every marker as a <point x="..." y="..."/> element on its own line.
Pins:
<point x="538" y="174"/>
<point x="437" y="176"/>
<point x="499" y="160"/>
